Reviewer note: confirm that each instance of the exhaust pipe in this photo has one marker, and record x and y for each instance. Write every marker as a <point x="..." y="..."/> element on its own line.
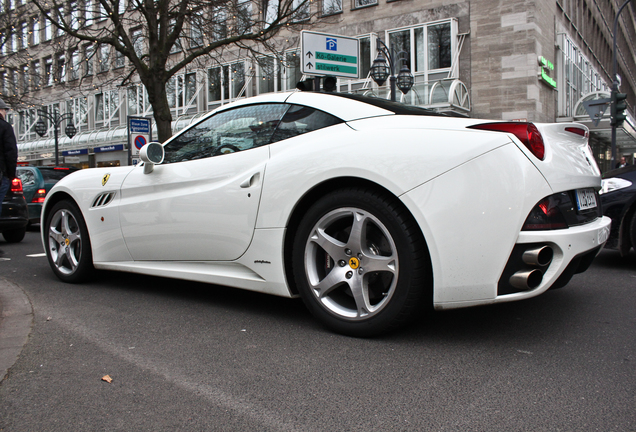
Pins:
<point x="541" y="256"/>
<point x="526" y="279"/>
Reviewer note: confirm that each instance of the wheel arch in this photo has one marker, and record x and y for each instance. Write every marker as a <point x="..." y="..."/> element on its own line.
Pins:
<point x="324" y="188"/>
<point x="50" y="203"/>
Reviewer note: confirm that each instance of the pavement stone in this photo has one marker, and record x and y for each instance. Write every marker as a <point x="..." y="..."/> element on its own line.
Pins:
<point x="16" y="320"/>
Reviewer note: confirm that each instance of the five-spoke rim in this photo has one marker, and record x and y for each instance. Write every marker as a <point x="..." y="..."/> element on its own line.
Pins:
<point x="65" y="241"/>
<point x="351" y="263"/>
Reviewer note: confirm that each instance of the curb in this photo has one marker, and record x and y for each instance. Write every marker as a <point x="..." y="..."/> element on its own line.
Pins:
<point x="16" y="319"/>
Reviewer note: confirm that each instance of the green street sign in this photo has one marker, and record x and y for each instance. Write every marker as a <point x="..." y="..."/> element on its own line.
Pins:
<point x="326" y="54"/>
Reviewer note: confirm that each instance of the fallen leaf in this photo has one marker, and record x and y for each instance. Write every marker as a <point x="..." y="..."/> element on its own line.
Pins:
<point x="107" y="378"/>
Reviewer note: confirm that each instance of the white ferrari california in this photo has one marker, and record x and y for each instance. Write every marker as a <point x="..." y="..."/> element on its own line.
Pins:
<point x="371" y="211"/>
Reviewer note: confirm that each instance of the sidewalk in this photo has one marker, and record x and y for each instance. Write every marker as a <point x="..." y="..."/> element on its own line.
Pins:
<point x="16" y="318"/>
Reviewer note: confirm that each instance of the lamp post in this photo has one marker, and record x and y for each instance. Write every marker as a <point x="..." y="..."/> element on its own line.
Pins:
<point x="56" y="119"/>
<point x="380" y="71"/>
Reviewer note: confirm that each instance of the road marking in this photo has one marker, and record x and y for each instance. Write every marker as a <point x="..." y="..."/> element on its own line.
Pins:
<point x="37" y="255"/>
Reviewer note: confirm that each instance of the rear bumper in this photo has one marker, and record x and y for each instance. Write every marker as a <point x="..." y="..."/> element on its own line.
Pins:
<point x="574" y="249"/>
<point x="35" y="209"/>
<point x="14" y="213"/>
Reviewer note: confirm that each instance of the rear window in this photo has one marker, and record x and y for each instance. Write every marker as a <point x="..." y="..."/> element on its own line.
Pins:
<point x="55" y="174"/>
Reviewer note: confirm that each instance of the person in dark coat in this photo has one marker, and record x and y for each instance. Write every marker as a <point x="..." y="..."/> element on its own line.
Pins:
<point x="8" y="153"/>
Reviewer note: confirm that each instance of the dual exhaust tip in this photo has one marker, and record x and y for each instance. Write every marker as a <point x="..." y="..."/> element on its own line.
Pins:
<point x="530" y="279"/>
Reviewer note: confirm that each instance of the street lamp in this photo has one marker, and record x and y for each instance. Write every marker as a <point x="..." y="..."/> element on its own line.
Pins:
<point x="380" y="70"/>
<point x="56" y="119"/>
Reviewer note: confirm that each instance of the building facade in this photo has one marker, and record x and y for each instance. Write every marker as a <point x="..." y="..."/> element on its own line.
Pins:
<point x="524" y="60"/>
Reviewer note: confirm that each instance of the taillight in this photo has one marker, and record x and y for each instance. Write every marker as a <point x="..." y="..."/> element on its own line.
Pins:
<point x="39" y="196"/>
<point x="577" y="130"/>
<point x="547" y="214"/>
<point x="16" y="186"/>
<point x="525" y="132"/>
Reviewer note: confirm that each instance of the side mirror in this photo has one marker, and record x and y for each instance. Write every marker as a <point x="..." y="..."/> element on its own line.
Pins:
<point x="151" y="154"/>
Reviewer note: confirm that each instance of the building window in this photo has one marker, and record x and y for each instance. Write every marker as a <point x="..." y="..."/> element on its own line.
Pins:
<point x="36" y="71"/>
<point x="74" y="67"/>
<point x="301" y="10"/>
<point x="138" y="101"/>
<point x="120" y="60"/>
<point x="89" y="12"/>
<point x="439" y="46"/>
<point x="428" y="48"/>
<point x="60" y="75"/>
<point x="244" y="17"/>
<point x="219" y="25"/>
<point x="25" y="78"/>
<point x="363" y="3"/>
<point x="225" y="82"/>
<point x="60" y="19"/>
<point x="24" y="35"/>
<point x="577" y="77"/>
<point x="48" y="71"/>
<point x="182" y="91"/>
<point x="196" y="35"/>
<point x="88" y="60"/>
<point x="48" y="32"/>
<point x="35" y="30"/>
<point x="107" y="108"/>
<point x="104" y="54"/>
<point x="176" y="47"/>
<point x="292" y="71"/>
<point x="138" y="42"/>
<point x="79" y="108"/>
<point x="269" y="76"/>
<point x="330" y="7"/>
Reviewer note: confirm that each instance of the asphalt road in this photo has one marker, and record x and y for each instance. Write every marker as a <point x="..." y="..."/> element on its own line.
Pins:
<point x="193" y="357"/>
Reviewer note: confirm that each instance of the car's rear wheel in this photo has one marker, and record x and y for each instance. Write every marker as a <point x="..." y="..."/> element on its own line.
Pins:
<point x="360" y="262"/>
<point x="14" y="235"/>
<point x="68" y="246"/>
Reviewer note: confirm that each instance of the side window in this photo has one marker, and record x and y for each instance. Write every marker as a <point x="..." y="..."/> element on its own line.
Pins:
<point x="299" y="120"/>
<point x="27" y="177"/>
<point x="229" y="131"/>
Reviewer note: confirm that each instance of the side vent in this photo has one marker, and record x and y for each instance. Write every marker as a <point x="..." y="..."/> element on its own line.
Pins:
<point x="103" y="199"/>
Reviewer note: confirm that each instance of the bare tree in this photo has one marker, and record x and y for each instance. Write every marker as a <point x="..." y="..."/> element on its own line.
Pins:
<point x="161" y="37"/>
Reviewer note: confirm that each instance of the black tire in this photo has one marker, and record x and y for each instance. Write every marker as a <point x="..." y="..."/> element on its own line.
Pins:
<point x="68" y="247"/>
<point x="14" y="235"/>
<point x="364" y="284"/>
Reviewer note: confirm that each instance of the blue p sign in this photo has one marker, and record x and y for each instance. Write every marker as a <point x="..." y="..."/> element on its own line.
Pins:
<point x="332" y="44"/>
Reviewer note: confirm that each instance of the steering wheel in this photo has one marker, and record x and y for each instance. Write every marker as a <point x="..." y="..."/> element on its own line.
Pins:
<point x="226" y="149"/>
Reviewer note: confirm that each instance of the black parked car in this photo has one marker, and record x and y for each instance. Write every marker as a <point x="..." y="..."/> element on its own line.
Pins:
<point x="15" y="214"/>
<point x="618" y="197"/>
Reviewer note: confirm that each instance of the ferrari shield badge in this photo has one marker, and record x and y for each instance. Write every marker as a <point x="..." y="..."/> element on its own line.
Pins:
<point x="105" y="179"/>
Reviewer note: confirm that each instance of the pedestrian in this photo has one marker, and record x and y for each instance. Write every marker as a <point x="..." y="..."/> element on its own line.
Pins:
<point x="623" y="163"/>
<point x="8" y="154"/>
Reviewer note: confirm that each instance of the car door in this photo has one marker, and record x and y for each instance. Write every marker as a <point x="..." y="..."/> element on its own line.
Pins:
<point x="201" y="203"/>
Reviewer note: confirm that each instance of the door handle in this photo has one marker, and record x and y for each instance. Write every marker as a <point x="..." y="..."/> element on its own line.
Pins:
<point x="251" y="181"/>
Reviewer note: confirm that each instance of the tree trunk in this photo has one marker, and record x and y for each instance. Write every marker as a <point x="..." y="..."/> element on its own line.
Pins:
<point x="159" y="101"/>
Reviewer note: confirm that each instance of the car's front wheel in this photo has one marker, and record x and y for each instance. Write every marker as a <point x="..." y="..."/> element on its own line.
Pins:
<point x="360" y="262"/>
<point x="68" y="247"/>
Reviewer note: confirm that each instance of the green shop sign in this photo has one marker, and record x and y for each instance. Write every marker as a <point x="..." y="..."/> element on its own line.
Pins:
<point x="546" y="69"/>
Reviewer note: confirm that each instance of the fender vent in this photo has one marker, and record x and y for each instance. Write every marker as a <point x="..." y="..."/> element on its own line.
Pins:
<point x="103" y="199"/>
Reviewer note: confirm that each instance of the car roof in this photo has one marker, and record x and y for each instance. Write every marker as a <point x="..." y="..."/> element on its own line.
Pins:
<point x="345" y="106"/>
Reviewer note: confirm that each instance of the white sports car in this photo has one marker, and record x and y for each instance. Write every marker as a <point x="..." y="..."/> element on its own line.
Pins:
<point x="371" y="211"/>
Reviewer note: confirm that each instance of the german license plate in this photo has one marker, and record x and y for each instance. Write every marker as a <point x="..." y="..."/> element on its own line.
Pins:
<point x="585" y="199"/>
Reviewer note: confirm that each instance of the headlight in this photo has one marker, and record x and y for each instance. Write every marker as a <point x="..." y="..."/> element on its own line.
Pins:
<point x="612" y="184"/>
